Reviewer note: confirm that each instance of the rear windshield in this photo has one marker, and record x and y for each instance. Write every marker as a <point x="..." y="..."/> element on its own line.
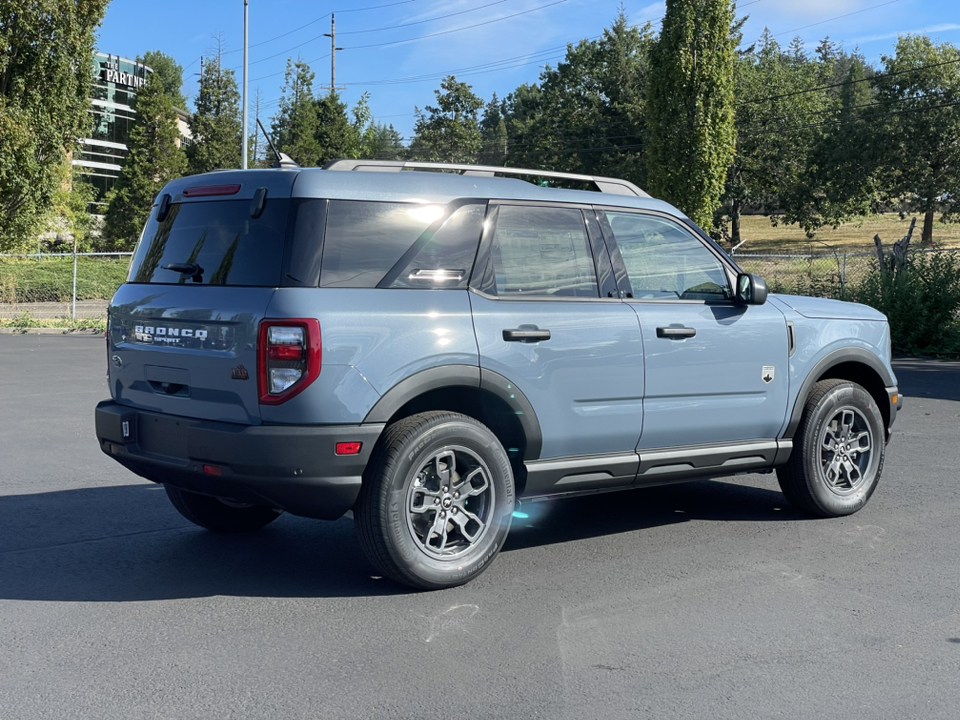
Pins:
<point x="213" y="243"/>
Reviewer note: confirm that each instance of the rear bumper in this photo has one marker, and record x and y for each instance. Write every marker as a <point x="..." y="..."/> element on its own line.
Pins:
<point x="294" y="468"/>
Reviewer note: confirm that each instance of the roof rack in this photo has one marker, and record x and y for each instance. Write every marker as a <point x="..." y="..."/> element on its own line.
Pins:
<point x="613" y="186"/>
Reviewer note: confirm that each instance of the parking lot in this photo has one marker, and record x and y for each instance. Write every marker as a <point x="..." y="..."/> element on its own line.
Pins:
<point x="711" y="599"/>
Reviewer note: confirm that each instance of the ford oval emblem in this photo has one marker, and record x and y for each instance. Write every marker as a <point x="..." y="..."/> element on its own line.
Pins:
<point x="117" y="361"/>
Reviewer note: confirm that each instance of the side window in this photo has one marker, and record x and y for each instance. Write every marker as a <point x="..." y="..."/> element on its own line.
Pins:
<point x="664" y="260"/>
<point x="542" y="251"/>
<point x="401" y="245"/>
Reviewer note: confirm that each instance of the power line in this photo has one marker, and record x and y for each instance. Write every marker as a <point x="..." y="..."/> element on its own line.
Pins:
<point x="322" y="17"/>
<point x="460" y="29"/>
<point x="857" y="119"/>
<point x="839" y="17"/>
<point x="852" y="82"/>
<point x="421" y="22"/>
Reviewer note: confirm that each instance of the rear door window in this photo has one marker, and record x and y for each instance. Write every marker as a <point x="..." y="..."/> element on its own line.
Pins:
<point x="217" y="240"/>
<point x="542" y="251"/>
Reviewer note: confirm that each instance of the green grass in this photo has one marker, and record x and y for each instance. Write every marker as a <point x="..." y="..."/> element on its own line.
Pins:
<point x="26" y="321"/>
<point x="51" y="280"/>
<point x="853" y="237"/>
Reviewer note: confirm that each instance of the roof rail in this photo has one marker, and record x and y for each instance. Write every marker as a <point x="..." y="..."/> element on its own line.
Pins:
<point x="613" y="186"/>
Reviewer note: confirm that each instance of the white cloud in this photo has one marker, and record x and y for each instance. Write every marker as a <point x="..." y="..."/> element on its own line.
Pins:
<point x="949" y="27"/>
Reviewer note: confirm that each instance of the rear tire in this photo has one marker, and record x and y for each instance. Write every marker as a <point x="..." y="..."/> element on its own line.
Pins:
<point x="838" y="452"/>
<point x="219" y="515"/>
<point x="436" y="501"/>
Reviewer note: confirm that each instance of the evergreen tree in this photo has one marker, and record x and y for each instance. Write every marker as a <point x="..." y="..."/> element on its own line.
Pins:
<point x="46" y="69"/>
<point x="294" y="127"/>
<point x="690" y="106"/>
<point x="169" y="72"/>
<point x="382" y="142"/>
<point x="493" y="130"/>
<point x="449" y="132"/>
<point x="338" y="137"/>
<point x="153" y="159"/>
<point x="216" y="125"/>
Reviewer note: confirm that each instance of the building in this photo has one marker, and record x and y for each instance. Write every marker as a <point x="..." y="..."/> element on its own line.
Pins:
<point x="115" y="84"/>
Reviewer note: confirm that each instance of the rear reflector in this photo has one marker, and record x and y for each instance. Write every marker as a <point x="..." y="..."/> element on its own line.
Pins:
<point x="212" y="470"/>
<point x="288" y="359"/>
<point x="211" y="190"/>
<point x="349" y="448"/>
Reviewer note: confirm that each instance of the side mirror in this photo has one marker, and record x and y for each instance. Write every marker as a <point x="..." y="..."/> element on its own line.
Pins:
<point x="751" y="290"/>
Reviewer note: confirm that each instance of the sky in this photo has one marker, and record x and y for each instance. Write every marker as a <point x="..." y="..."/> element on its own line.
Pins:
<point x="399" y="50"/>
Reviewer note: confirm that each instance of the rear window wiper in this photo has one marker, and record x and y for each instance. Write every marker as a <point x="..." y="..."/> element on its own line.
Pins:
<point x="189" y="269"/>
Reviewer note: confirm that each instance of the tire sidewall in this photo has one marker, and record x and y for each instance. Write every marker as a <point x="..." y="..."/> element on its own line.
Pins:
<point x="839" y="397"/>
<point x="403" y="546"/>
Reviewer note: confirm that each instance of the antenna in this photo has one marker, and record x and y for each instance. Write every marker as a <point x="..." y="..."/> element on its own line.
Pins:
<point x="283" y="160"/>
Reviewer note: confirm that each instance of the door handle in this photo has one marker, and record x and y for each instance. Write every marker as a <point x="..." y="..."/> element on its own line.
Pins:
<point x="526" y="335"/>
<point x="676" y="333"/>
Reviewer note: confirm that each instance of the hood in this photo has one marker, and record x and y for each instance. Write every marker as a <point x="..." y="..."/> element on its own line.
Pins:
<point x="832" y="309"/>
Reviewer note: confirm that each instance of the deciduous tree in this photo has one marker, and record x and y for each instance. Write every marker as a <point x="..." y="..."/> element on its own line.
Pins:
<point x="46" y="67"/>
<point x="153" y="159"/>
<point x="690" y="106"/>
<point x="918" y="92"/>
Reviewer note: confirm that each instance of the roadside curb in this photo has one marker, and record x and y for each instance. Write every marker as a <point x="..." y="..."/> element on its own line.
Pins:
<point x="46" y="331"/>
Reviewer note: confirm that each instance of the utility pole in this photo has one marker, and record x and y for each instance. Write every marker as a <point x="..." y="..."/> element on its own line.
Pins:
<point x="243" y="150"/>
<point x="333" y="53"/>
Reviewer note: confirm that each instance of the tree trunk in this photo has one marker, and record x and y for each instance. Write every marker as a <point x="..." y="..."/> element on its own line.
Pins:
<point x="735" y="222"/>
<point x="926" y="237"/>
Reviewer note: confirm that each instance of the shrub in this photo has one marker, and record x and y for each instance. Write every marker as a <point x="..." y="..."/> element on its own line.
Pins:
<point x="921" y="299"/>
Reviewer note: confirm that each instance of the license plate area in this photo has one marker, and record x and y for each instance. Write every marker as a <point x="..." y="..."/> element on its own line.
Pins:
<point x="163" y="436"/>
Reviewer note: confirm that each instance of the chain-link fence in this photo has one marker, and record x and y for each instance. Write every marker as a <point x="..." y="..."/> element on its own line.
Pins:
<point x="831" y="275"/>
<point x="56" y="286"/>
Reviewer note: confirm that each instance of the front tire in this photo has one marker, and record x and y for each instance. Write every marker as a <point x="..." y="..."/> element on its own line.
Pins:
<point x="838" y="457"/>
<point x="436" y="501"/>
<point x="218" y="515"/>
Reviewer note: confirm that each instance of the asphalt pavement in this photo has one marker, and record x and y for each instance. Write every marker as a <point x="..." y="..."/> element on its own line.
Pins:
<point x="706" y="600"/>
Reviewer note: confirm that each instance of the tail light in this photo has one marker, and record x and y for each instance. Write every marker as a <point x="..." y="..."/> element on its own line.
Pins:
<point x="288" y="358"/>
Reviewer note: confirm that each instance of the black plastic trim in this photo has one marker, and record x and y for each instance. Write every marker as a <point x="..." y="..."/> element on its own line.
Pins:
<point x="508" y="392"/>
<point x="463" y="376"/>
<point x="420" y="383"/>
<point x="291" y="467"/>
<point x="674" y="464"/>
<point x="551" y="477"/>
<point x="605" y="473"/>
<point x="845" y="355"/>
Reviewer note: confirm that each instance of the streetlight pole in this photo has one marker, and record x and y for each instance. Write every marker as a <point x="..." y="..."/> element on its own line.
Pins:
<point x="243" y="151"/>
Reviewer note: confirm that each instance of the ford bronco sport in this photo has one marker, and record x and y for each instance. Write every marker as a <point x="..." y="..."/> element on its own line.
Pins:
<point x="423" y="344"/>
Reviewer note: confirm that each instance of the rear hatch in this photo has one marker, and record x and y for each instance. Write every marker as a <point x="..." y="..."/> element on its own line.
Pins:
<point x="182" y="335"/>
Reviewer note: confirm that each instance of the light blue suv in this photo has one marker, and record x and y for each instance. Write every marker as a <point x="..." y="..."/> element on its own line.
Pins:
<point x="423" y="344"/>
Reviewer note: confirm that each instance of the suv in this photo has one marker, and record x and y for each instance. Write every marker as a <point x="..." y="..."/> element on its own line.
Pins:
<point x="424" y="348"/>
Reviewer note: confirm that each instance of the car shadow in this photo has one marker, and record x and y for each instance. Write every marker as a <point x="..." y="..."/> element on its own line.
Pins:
<point x="556" y="521"/>
<point x="127" y="543"/>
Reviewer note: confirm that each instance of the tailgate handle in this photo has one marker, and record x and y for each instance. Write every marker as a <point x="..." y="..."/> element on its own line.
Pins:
<point x="676" y="333"/>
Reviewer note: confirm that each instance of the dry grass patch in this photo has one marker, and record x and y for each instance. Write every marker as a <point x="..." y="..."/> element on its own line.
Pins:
<point x="851" y="237"/>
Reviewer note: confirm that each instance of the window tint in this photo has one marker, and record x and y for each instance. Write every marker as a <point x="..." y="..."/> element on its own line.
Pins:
<point x="441" y="257"/>
<point x="664" y="260"/>
<point x="367" y="244"/>
<point x="219" y="238"/>
<point x="542" y="251"/>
